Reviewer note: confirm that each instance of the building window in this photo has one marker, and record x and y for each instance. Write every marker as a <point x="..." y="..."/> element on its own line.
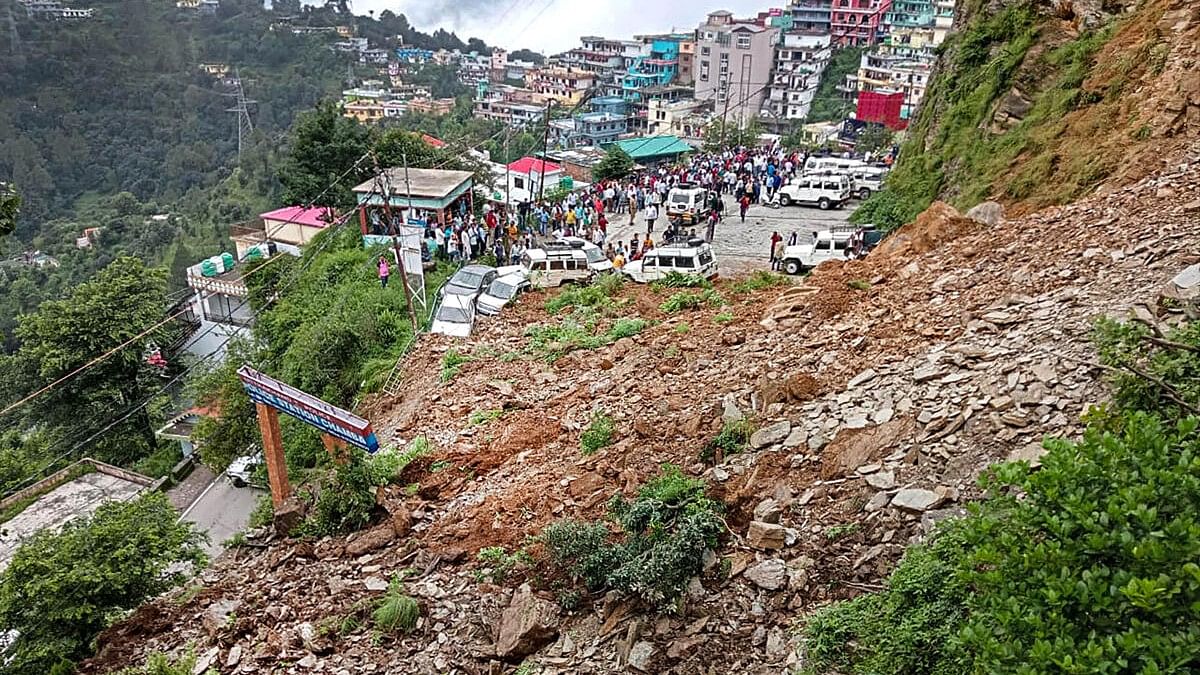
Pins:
<point x="704" y="51"/>
<point x="743" y="42"/>
<point x="725" y="59"/>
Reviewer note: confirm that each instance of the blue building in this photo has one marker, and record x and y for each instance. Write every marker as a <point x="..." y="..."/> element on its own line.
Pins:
<point x="606" y="120"/>
<point x="657" y="69"/>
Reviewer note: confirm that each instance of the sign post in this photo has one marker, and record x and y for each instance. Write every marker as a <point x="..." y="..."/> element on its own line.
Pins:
<point x="338" y="427"/>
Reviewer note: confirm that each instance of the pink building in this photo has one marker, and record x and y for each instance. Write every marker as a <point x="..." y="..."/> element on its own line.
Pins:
<point x="855" y="23"/>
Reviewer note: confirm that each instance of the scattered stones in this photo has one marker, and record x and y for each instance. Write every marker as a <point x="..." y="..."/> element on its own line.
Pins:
<point x="1032" y="453"/>
<point x="862" y="378"/>
<point x="370" y="540"/>
<point x="766" y="536"/>
<point x="883" y="480"/>
<point x="527" y="624"/>
<point x="770" y="434"/>
<point x="916" y="501"/>
<point x="730" y="412"/>
<point x="769" y="574"/>
<point x="768" y="511"/>
<point x="641" y="656"/>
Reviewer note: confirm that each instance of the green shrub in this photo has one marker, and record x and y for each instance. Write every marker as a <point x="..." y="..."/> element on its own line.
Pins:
<point x="553" y="341"/>
<point x="859" y="284"/>
<point x="723" y="317"/>
<point x="263" y="513"/>
<point x="158" y="663"/>
<point x="598" y="435"/>
<point x="684" y="301"/>
<point x="678" y="280"/>
<point x="502" y="562"/>
<point x="664" y="532"/>
<point x="597" y="295"/>
<point x="732" y="439"/>
<point x="160" y="462"/>
<point x="760" y="281"/>
<point x="683" y="328"/>
<point x="625" y="327"/>
<point x="484" y="416"/>
<point x="452" y="362"/>
<point x="397" y="611"/>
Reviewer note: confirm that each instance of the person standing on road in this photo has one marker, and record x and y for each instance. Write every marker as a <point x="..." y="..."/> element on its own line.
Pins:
<point x="744" y="202"/>
<point x="776" y="250"/>
<point x="651" y="216"/>
<point x="384" y="271"/>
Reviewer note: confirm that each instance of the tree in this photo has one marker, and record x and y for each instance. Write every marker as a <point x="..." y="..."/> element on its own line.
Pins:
<point x="873" y="138"/>
<point x="616" y="164"/>
<point x="121" y="302"/>
<point x="62" y="588"/>
<point x="10" y="207"/>
<point x="722" y="134"/>
<point x="323" y="151"/>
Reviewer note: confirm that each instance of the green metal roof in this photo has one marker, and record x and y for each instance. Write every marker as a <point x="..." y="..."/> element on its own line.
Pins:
<point x="654" y="146"/>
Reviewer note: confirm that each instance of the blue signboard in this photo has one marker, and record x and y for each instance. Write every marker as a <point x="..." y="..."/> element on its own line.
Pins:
<point x="330" y="419"/>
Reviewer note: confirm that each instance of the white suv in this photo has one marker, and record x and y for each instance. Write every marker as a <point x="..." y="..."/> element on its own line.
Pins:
<point x="824" y="192"/>
<point x="839" y="244"/>
<point x="692" y="257"/>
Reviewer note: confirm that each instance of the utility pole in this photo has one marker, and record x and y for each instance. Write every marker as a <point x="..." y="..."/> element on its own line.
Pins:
<point x="545" y="148"/>
<point x="386" y="190"/>
<point x="245" y="124"/>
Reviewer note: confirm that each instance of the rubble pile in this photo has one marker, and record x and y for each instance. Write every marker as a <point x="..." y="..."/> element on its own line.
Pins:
<point x="878" y="390"/>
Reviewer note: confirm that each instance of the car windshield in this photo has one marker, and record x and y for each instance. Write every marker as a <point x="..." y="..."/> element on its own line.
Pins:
<point x="453" y="314"/>
<point x="681" y="198"/>
<point x="594" y="255"/>
<point x="465" y="279"/>
<point x="501" y="290"/>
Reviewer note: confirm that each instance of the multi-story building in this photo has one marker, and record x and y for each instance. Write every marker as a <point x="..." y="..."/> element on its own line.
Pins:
<point x="605" y="122"/>
<point x="474" y="68"/>
<point x="53" y="9"/>
<point x="800" y="59"/>
<point x="733" y="65"/>
<point x="858" y="23"/>
<point x="811" y="15"/>
<point x="432" y="106"/>
<point x="902" y="63"/>
<point x="565" y="85"/>
<point x="943" y="18"/>
<point x="656" y="69"/>
<point x="685" y="118"/>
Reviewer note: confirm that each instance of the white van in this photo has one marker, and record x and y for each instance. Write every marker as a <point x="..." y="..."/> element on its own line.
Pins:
<point x="597" y="261"/>
<point x="828" y="164"/>
<point x="842" y="243"/>
<point x="692" y="257"/>
<point x="554" y="266"/>
<point x="866" y="181"/>
<point x="824" y="191"/>
<point x="686" y="202"/>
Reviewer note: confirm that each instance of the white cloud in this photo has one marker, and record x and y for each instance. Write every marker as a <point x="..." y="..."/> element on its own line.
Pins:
<point x="552" y="26"/>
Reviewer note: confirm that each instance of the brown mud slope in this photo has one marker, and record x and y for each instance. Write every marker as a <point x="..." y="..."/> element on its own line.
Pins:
<point x="881" y="389"/>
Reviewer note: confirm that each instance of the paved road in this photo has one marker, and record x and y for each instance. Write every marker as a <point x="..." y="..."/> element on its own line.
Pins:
<point x="222" y="511"/>
<point x="745" y="246"/>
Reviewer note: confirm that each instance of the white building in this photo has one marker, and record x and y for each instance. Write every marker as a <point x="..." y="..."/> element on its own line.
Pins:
<point x="685" y="118"/>
<point x="800" y="59"/>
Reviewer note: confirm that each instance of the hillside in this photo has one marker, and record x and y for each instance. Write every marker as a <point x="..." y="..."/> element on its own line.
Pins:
<point x="880" y="389"/>
<point x="1035" y="103"/>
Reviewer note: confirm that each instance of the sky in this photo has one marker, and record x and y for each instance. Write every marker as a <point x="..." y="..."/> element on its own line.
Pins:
<point x="552" y="26"/>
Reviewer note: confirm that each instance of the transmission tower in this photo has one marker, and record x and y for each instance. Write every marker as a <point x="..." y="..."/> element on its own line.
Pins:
<point x="245" y="125"/>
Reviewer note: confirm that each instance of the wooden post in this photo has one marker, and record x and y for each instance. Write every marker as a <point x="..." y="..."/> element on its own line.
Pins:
<point x="277" y="474"/>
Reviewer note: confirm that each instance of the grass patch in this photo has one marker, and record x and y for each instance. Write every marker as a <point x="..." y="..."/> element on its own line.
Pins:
<point x="684" y="301"/>
<point x="452" y="362"/>
<point x="598" y="435"/>
<point x="552" y="342"/>
<point x="733" y="438"/>
<point x="678" y="280"/>
<point x="263" y="513"/>
<point x="859" y="284"/>
<point x="760" y="281"/>
<point x="502" y="563"/>
<point x="723" y="317"/>
<point x="683" y="328"/>
<point x="840" y="531"/>
<point x="484" y="416"/>
<point x="397" y="611"/>
<point x="597" y="295"/>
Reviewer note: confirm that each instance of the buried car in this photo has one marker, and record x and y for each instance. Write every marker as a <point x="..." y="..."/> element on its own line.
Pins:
<point x="502" y="291"/>
<point x="455" y="315"/>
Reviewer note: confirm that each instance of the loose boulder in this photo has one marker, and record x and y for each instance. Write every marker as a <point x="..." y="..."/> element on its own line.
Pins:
<point x="526" y="625"/>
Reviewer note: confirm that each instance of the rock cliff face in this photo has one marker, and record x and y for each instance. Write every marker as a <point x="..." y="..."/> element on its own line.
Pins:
<point x="1039" y="102"/>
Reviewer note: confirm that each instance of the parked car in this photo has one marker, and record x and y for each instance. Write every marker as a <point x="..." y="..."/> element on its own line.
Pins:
<point x="685" y="203"/>
<point x="455" y="315"/>
<point x="552" y="266"/>
<point x="837" y="244"/>
<point x="825" y="192"/>
<point x="694" y="256"/>
<point x="597" y="261"/>
<point x="502" y="291"/>
<point x="469" y="281"/>
<point x="241" y="470"/>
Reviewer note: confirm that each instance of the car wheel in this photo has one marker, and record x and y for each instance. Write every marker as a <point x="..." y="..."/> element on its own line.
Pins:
<point x="791" y="267"/>
<point x="784" y="200"/>
<point x="238" y="482"/>
<point x="823" y="204"/>
<point x="864" y="193"/>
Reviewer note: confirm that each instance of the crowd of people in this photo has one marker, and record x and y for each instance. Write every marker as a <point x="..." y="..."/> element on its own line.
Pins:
<point x="746" y="176"/>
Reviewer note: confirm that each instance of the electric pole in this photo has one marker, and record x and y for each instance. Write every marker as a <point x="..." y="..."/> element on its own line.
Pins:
<point x="545" y="148"/>
<point x="386" y="190"/>
<point x="245" y="126"/>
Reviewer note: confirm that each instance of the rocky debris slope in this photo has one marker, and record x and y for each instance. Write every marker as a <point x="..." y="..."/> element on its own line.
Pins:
<point x="879" y="389"/>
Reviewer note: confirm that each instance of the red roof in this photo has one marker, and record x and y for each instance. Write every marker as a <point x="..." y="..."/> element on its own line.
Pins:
<point x="435" y="142"/>
<point x="531" y="165"/>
